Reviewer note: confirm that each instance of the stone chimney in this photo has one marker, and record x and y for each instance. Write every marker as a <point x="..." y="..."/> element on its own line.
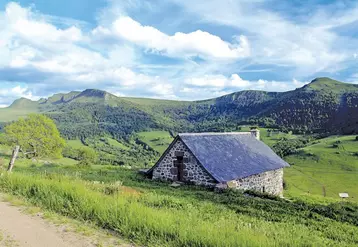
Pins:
<point x="255" y="133"/>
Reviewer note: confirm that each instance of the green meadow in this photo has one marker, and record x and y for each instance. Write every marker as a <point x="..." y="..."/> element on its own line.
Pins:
<point x="154" y="214"/>
<point x="325" y="168"/>
<point x="158" y="140"/>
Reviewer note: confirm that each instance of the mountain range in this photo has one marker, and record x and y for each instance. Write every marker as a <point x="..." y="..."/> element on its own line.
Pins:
<point x="324" y="105"/>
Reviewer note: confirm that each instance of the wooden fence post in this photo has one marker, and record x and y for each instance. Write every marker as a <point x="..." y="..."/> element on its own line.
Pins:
<point x="15" y="152"/>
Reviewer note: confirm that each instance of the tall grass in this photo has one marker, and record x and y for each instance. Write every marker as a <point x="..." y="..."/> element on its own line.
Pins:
<point x="159" y="220"/>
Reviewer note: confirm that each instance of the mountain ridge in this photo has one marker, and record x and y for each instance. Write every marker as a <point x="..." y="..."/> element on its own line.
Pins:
<point x="317" y="83"/>
<point x="323" y="105"/>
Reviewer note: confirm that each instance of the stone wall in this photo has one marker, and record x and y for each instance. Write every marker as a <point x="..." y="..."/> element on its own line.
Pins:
<point x="269" y="182"/>
<point x="193" y="171"/>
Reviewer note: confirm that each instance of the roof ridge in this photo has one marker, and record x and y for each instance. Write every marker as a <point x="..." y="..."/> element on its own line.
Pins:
<point x="214" y="133"/>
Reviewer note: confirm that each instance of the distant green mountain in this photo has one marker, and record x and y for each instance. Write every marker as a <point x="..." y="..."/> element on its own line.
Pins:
<point x="324" y="105"/>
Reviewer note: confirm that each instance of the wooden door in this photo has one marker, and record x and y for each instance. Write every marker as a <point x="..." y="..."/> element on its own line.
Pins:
<point x="180" y="166"/>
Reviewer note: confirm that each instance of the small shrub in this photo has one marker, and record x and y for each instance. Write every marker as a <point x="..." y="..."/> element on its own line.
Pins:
<point x="87" y="156"/>
<point x="113" y="188"/>
<point x="2" y="163"/>
<point x="337" y="144"/>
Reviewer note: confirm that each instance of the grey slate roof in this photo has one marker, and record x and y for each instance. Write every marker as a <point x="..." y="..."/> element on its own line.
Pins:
<point x="229" y="156"/>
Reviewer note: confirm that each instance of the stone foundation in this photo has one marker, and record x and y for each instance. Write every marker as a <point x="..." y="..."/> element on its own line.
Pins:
<point x="267" y="182"/>
<point x="193" y="172"/>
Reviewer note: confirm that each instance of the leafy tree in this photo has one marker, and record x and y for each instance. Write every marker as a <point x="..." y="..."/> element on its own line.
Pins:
<point x="3" y="139"/>
<point x="36" y="135"/>
<point x="87" y="156"/>
<point x="286" y="146"/>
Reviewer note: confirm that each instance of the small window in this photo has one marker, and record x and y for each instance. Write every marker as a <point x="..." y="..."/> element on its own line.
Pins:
<point x="263" y="189"/>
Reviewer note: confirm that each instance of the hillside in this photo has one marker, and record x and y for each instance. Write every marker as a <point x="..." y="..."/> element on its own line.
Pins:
<point x="151" y="213"/>
<point x="324" y="105"/>
<point x="326" y="167"/>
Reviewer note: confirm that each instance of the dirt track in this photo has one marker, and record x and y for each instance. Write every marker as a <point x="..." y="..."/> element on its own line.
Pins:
<point x="19" y="229"/>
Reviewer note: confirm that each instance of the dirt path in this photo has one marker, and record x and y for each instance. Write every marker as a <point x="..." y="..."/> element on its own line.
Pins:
<point x="22" y="230"/>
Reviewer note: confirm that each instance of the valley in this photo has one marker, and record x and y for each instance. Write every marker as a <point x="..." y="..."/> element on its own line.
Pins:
<point x="313" y="128"/>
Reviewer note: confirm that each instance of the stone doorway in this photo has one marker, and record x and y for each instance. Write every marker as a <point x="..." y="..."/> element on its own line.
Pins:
<point x="179" y="164"/>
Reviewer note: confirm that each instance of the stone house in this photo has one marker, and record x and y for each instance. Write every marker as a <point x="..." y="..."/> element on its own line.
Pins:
<point x="226" y="160"/>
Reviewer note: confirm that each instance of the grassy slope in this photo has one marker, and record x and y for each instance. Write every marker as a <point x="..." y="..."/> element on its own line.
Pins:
<point x="117" y="144"/>
<point x="321" y="165"/>
<point x="5" y="154"/>
<point x="156" y="214"/>
<point x="269" y="139"/>
<point x="158" y="140"/>
<point x="8" y="114"/>
<point x="75" y="143"/>
<point x="318" y="165"/>
<point x="328" y="84"/>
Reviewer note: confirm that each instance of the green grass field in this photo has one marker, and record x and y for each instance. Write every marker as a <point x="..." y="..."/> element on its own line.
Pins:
<point x="75" y="143"/>
<point x="269" y="139"/>
<point x="329" y="166"/>
<point x="158" y="140"/>
<point x="117" y="144"/>
<point x="7" y="115"/>
<point x="318" y="172"/>
<point x="154" y="214"/>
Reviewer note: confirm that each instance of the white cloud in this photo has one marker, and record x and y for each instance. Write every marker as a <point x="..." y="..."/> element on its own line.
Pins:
<point x="7" y="95"/>
<point x="31" y="45"/>
<point x="163" y="90"/>
<point x="25" y="25"/>
<point x="198" y="43"/>
<point x="52" y="58"/>
<point x="235" y="83"/>
<point x="309" y="47"/>
<point x="218" y="81"/>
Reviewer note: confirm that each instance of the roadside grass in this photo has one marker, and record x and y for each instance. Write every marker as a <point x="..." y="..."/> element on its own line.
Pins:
<point x="7" y="241"/>
<point x="155" y="214"/>
<point x="99" y="236"/>
<point x="329" y="166"/>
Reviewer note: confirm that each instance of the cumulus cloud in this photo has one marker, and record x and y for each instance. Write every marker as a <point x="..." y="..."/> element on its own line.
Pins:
<point x="13" y="93"/>
<point x="218" y="81"/>
<point x="22" y="23"/>
<point x="198" y="43"/>
<point x="221" y="83"/>
<point x="32" y="48"/>
<point x="127" y="57"/>
<point x="309" y="47"/>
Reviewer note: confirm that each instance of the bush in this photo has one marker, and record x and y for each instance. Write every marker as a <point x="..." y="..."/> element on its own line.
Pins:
<point x="2" y="163"/>
<point x="87" y="156"/>
<point x="286" y="146"/>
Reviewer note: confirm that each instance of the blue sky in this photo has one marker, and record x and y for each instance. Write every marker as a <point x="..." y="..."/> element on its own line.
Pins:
<point x="174" y="49"/>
